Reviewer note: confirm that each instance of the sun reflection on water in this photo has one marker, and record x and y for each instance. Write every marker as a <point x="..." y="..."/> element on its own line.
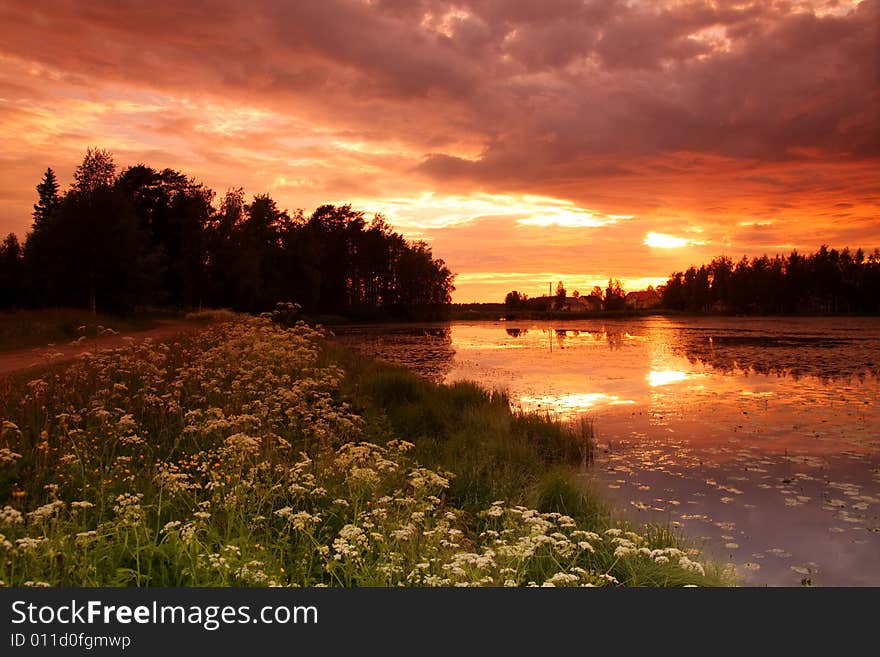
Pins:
<point x="571" y="403"/>
<point x="665" y="377"/>
<point x="742" y="432"/>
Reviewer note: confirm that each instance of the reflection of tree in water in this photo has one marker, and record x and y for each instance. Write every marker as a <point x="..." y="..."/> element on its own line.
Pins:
<point x="614" y="339"/>
<point x="427" y="351"/>
<point x="560" y="338"/>
<point x="826" y="358"/>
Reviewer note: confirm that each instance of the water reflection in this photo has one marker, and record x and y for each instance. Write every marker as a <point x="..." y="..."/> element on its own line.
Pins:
<point x="426" y="350"/>
<point x="663" y="378"/>
<point x="613" y="338"/>
<point x="783" y="351"/>
<point x="757" y="435"/>
<point x="571" y="403"/>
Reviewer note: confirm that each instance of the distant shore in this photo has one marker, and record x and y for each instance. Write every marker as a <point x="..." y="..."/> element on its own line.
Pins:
<point x="501" y="312"/>
<point x="498" y="312"/>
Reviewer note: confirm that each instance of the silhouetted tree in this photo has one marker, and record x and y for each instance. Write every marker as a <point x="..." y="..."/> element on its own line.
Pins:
<point x="36" y="256"/>
<point x="92" y="250"/>
<point x="174" y="212"/>
<point x="615" y="296"/>
<point x="259" y="255"/>
<point x="146" y="236"/>
<point x="11" y="273"/>
<point x="97" y="171"/>
<point x="514" y="299"/>
<point x="334" y="231"/>
<point x="222" y="248"/>
<point x="826" y="282"/>
<point x="48" y="199"/>
<point x="560" y="295"/>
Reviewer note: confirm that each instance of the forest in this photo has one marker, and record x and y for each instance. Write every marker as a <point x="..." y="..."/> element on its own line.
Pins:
<point x="825" y="282"/>
<point x="146" y="237"/>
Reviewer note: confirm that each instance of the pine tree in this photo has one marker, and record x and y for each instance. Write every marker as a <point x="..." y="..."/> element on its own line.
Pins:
<point x="48" y="199"/>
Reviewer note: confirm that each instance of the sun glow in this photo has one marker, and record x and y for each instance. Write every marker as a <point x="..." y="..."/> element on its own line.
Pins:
<point x="664" y="241"/>
<point x="431" y="211"/>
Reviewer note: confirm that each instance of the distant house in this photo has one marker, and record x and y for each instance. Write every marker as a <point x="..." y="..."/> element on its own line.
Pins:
<point x="581" y="304"/>
<point x="591" y="304"/>
<point x="643" y="299"/>
<point x="539" y="303"/>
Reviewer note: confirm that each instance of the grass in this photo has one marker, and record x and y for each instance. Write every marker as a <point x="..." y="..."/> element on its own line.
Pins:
<point x="463" y="428"/>
<point x="23" y="329"/>
<point x="210" y="315"/>
<point x="246" y="454"/>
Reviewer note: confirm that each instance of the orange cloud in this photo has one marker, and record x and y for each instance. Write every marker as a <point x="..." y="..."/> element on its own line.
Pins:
<point x="514" y="137"/>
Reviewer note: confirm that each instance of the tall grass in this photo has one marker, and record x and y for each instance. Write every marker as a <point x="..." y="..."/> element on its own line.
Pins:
<point x="464" y="428"/>
<point x="22" y="329"/>
<point x="249" y="454"/>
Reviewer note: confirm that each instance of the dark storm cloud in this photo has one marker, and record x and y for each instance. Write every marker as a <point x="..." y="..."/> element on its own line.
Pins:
<point x="601" y="77"/>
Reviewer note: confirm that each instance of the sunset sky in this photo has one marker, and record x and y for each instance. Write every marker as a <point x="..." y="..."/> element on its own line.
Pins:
<point x="526" y="141"/>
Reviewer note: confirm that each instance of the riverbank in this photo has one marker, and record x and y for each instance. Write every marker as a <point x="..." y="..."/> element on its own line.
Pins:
<point x="246" y="454"/>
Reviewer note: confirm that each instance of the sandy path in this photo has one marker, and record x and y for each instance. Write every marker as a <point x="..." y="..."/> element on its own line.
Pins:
<point x="24" y="359"/>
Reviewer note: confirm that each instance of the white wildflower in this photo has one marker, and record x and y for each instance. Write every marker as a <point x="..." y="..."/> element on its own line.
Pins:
<point x="8" y="456"/>
<point x="46" y="511"/>
<point x="10" y="516"/>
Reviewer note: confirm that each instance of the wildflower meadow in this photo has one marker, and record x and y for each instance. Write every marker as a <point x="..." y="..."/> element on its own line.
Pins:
<point x="248" y="453"/>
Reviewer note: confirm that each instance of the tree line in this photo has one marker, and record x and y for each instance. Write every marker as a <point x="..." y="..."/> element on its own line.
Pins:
<point x="149" y="237"/>
<point x="825" y="282"/>
<point x="612" y="297"/>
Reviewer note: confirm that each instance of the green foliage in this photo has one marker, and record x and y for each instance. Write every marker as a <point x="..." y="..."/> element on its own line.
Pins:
<point x="562" y="491"/>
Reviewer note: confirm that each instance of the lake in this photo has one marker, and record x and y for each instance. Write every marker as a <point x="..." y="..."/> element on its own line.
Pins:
<point x="758" y="438"/>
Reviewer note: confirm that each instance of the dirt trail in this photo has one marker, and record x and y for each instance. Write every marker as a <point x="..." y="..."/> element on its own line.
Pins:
<point x="24" y="359"/>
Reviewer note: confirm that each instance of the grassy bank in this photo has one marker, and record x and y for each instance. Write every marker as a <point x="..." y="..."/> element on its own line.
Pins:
<point x="23" y="329"/>
<point x="247" y="454"/>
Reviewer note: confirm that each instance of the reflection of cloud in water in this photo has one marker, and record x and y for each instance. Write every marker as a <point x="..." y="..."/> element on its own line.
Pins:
<point x="574" y="402"/>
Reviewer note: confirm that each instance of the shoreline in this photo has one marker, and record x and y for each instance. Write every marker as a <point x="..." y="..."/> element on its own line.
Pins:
<point x="373" y="472"/>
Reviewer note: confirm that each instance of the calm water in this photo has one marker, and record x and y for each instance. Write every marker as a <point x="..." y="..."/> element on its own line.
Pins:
<point x="759" y="438"/>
